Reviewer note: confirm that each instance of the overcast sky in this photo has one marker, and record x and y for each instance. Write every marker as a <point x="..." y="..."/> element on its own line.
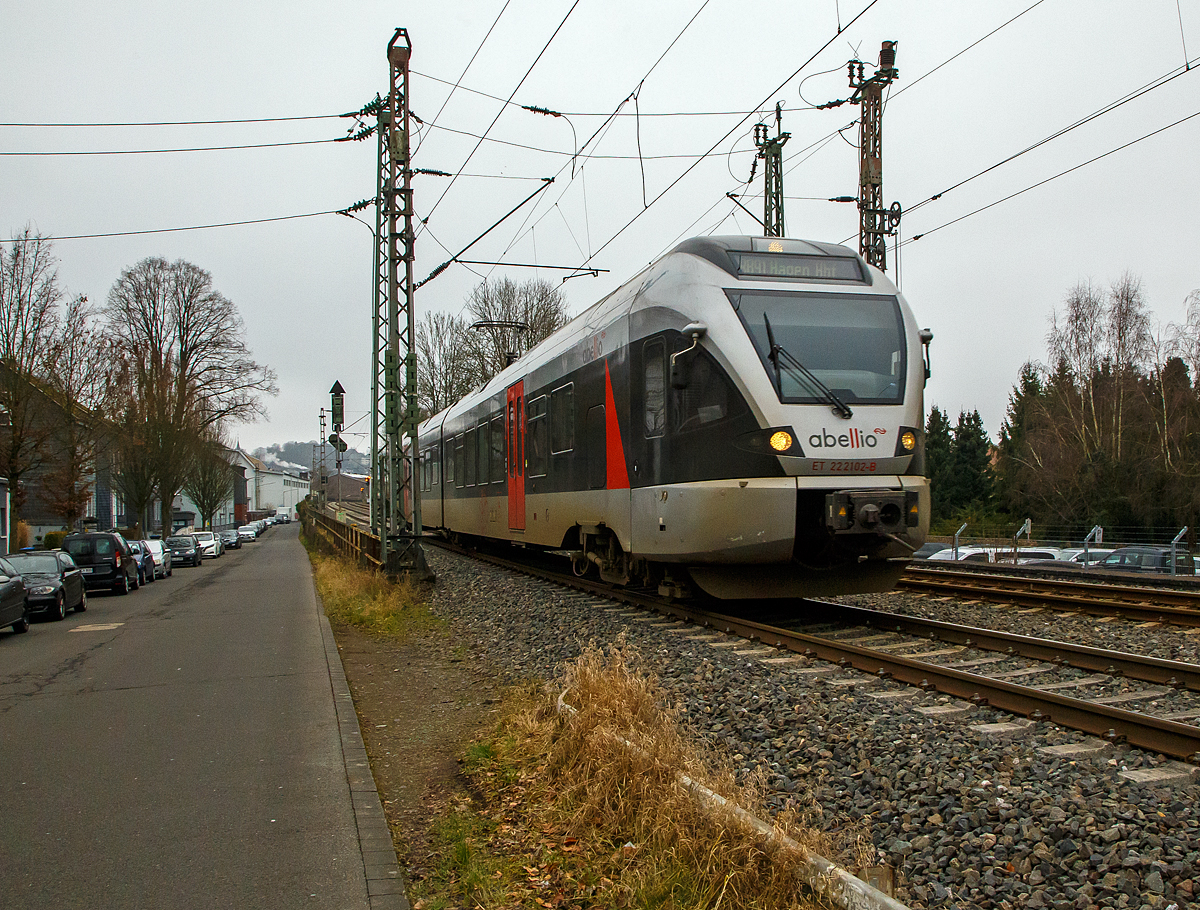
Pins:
<point x="985" y="285"/>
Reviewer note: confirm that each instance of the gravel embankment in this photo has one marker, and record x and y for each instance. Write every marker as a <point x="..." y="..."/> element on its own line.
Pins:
<point x="967" y="820"/>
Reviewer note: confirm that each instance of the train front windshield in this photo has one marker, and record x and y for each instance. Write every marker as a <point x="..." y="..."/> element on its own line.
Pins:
<point x="852" y="343"/>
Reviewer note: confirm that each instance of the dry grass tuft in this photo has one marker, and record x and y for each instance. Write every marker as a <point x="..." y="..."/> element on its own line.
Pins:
<point x="367" y="600"/>
<point x="603" y="780"/>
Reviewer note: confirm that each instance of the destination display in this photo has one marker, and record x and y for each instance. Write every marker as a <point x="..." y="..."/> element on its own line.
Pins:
<point x="797" y="267"/>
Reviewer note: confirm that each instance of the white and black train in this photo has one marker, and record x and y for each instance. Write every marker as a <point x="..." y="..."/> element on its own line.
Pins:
<point x="745" y="416"/>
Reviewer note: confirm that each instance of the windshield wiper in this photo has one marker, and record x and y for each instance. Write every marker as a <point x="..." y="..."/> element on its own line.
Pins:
<point x="799" y="371"/>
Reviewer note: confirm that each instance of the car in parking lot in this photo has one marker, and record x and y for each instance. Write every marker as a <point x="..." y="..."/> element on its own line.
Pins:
<point x="1147" y="559"/>
<point x="162" y="557"/>
<point x="231" y="540"/>
<point x="185" y="551"/>
<point x="13" y="609"/>
<point x="105" y="559"/>
<point x="247" y="532"/>
<point x="53" y="583"/>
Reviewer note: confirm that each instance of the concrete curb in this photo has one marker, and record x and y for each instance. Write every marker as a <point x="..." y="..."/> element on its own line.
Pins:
<point x="385" y="887"/>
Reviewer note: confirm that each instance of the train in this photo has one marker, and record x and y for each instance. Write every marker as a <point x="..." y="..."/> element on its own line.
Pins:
<point x="743" y="419"/>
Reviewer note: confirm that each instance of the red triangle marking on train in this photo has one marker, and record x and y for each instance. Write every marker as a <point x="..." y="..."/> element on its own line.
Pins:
<point x="618" y="473"/>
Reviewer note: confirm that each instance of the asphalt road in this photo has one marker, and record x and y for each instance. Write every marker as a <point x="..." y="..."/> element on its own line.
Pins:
<point x="178" y="747"/>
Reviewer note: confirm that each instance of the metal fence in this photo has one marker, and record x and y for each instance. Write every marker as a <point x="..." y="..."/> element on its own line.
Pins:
<point x="342" y="537"/>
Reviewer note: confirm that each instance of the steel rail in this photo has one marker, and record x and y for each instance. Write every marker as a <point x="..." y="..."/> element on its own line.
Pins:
<point x="1091" y="598"/>
<point x="1114" y="724"/>
<point x="1174" y="673"/>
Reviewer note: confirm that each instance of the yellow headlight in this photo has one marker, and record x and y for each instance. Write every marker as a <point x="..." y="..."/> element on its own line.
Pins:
<point x="781" y="441"/>
<point x="909" y="441"/>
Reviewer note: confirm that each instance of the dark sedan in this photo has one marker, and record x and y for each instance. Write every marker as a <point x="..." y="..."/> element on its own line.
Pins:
<point x="231" y="540"/>
<point x="13" y="609"/>
<point x="53" y="583"/>
<point x="185" y="550"/>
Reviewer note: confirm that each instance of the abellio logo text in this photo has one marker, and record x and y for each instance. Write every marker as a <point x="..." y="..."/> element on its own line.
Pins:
<point x="851" y="439"/>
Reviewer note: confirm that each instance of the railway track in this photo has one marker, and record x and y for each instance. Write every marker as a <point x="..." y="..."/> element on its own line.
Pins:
<point x="1142" y="603"/>
<point x="843" y="635"/>
<point x="952" y="658"/>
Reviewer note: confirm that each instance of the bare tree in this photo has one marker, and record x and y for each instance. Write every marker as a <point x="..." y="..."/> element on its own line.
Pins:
<point x="210" y="482"/>
<point x="511" y="318"/>
<point x="444" y="372"/>
<point x="80" y="381"/>
<point x="179" y="339"/>
<point x="29" y="303"/>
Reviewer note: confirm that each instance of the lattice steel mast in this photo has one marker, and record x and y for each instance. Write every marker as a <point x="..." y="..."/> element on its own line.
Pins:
<point x="396" y="494"/>
<point x="875" y="223"/>
<point x="771" y="152"/>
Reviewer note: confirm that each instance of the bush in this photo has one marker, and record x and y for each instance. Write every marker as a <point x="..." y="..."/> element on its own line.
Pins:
<point x="21" y="536"/>
<point x="53" y="540"/>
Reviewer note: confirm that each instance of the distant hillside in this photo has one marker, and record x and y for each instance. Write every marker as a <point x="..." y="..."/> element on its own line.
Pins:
<point x="299" y="456"/>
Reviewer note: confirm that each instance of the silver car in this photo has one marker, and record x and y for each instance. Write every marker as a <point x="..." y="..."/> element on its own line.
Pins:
<point x="162" y="558"/>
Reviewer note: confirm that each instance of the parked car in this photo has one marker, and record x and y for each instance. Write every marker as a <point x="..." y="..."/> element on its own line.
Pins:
<point x="208" y="543"/>
<point x="53" y="583"/>
<point x="162" y="557"/>
<point x="231" y="540"/>
<point x="13" y="609"/>
<point x="184" y="550"/>
<point x="1076" y="554"/>
<point x="928" y="549"/>
<point x="247" y="532"/>
<point x="105" y="559"/>
<point x="965" y="554"/>
<point x="1147" y="559"/>
<point x="145" y="562"/>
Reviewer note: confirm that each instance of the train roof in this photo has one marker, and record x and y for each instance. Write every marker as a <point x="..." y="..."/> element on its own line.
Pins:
<point x="750" y="257"/>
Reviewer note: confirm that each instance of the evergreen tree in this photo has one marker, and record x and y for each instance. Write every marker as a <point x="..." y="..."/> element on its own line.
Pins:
<point x="938" y="461"/>
<point x="1026" y="404"/>
<point x="970" y="484"/>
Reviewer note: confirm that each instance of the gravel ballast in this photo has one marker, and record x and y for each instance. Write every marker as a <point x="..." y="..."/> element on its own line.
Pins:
<point x="967" y="817"/>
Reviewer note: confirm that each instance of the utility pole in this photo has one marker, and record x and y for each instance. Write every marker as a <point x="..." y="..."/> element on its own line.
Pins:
<point x="770" y="150"/>
<point x="395" y="468"/>
<point x="875" y="223"/>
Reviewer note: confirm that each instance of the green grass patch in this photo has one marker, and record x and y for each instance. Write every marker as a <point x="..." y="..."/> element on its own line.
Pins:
<point x="370" y="602"/>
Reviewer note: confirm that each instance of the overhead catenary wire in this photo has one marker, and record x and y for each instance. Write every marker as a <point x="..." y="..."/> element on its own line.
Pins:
<point x="729" y="133"/>
<point x="165" y="151"/>
<point x="496" y="119"/>
<point x="1063" y="173"/>
<point x="172" y="230"/>
<point x="463" y="74"/>
<point x="1156" y="83"/>
<point x="148" y="123"/>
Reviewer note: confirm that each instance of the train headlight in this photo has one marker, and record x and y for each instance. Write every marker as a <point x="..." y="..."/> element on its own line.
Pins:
<point x="908" y="439"/>
<point x="771" y="441"/>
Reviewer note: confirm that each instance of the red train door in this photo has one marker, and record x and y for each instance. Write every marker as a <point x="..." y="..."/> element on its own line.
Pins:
<point x="514" y="420"/>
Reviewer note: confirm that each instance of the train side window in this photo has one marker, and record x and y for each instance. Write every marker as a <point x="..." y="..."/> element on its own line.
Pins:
<point x="481" y="438"/>
<point x="562" y="419"/>
<point x="537" y="429"/>
<point x="436" y="454"/>
<point x="497" y="472"/>
<point x="460" y="462"/>
<point x="655" y="387"/>
<point x="707" y="399"/>
<point x="471" y="455"/>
